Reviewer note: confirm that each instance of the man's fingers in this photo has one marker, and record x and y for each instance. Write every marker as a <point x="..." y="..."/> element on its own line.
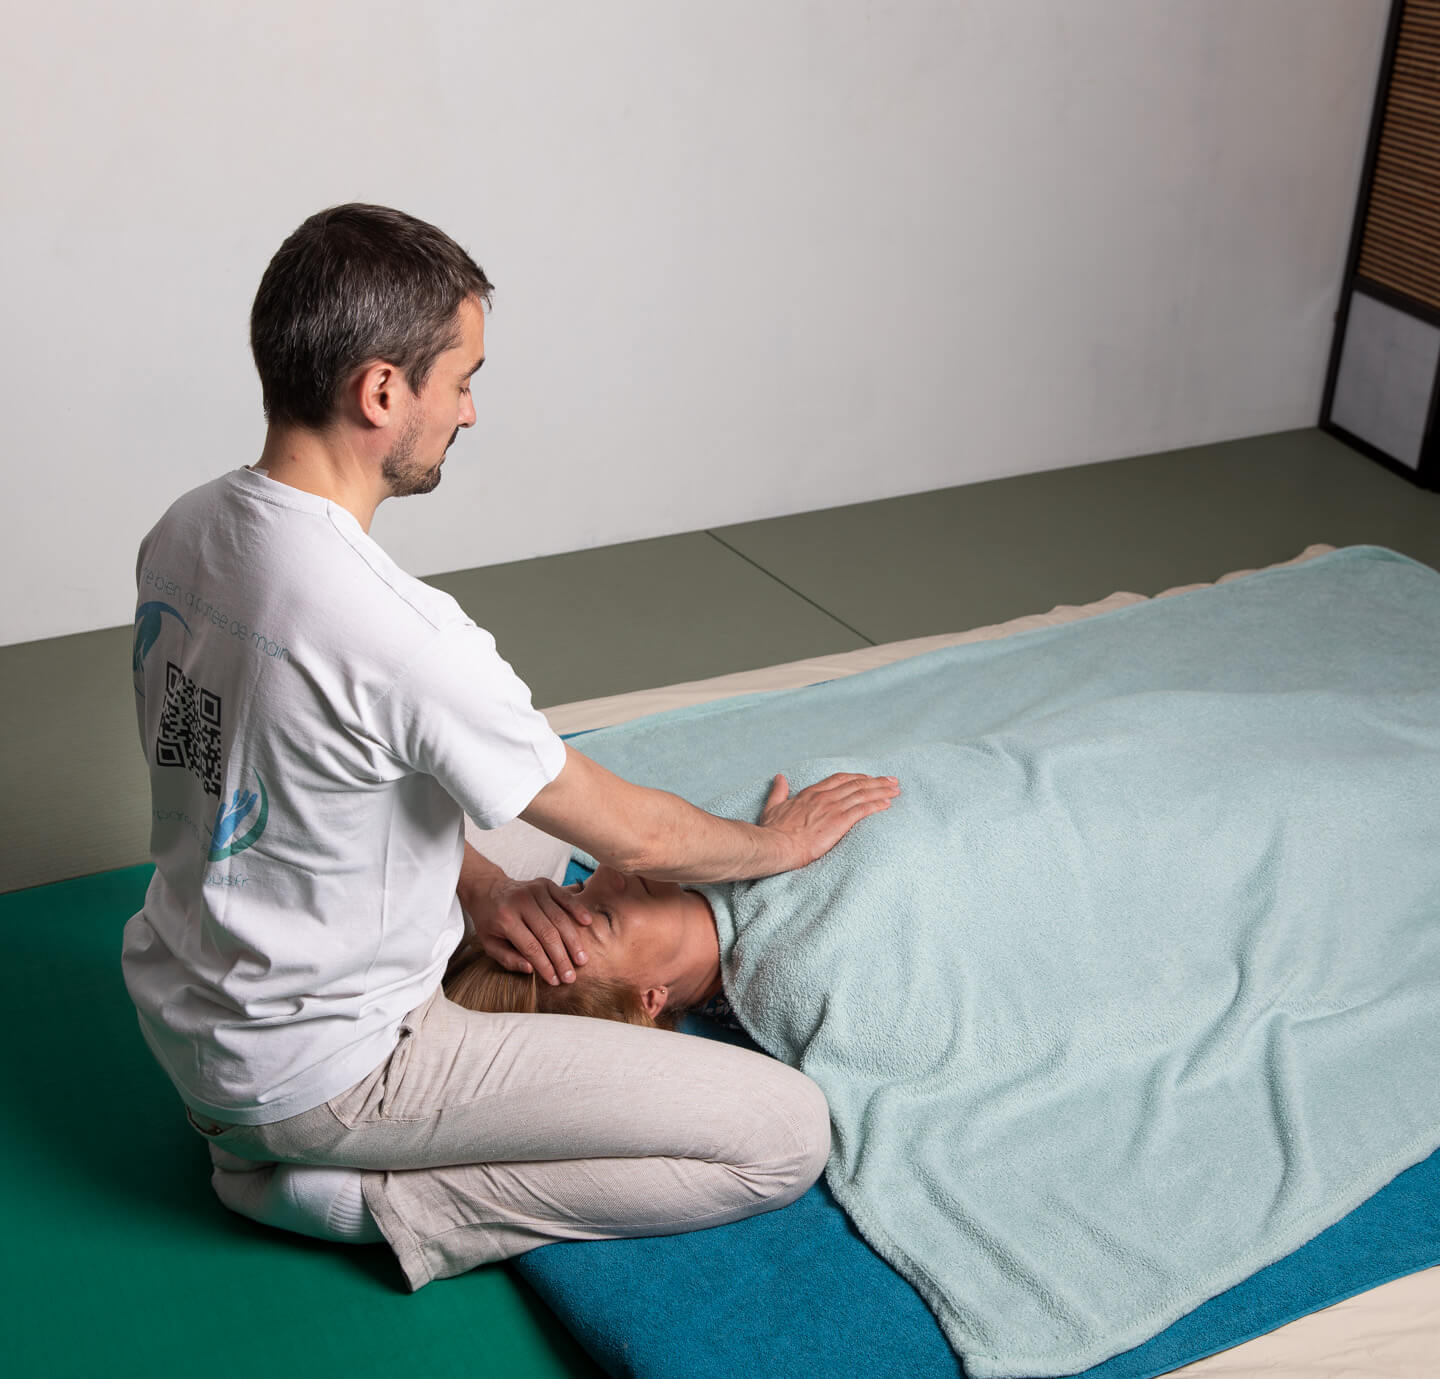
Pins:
<point x="562" y="938"/>
<point x="847" y="781"/>
<point x="569" y="901"/>
<point x="779" y="790"/>
<point x="838" y="815"/>
<point x="846" y="778"/>
<point x="867" y="785"/>
<point x="524" y="941"/>
<point x="840" y="791"/>
<point x="843" y="791"/>
<point x="536" y="935"/>
<point x="505" y="956"/>
<point x="839" y="822"/>
<point x="535" y="926"/>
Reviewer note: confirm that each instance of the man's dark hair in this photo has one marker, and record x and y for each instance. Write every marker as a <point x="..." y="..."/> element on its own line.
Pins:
<point x="355" y="284"/>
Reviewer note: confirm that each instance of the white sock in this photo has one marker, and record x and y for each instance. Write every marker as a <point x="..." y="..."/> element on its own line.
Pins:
<point x="325" y="1203"/>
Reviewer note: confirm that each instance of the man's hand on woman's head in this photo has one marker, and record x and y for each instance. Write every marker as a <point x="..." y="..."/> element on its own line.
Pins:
<point x="528" y="926"/>
<point x="820" y="815"/>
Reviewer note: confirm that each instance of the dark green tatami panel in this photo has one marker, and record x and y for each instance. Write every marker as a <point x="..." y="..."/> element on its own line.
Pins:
<point x="76" y="798"/>
<point x="118" y="1261"/>
<point x="963" y="557"/>
<point x="645" y="613"/>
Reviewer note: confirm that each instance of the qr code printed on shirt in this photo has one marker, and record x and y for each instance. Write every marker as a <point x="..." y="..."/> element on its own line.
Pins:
<point x="189" y="734"/>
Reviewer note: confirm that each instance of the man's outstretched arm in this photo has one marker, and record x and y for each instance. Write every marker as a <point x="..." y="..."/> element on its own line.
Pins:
<point x="661" y="836"/>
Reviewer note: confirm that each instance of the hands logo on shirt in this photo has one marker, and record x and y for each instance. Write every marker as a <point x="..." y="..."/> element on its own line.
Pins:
<point x="229" y="820"/>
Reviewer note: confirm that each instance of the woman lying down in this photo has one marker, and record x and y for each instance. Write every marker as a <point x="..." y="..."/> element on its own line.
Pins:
<point x="1111" y="1008"/>
<point x="653" y="954"/>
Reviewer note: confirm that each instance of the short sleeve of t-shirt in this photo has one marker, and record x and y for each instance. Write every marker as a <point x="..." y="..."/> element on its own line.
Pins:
<point x="461" y="714"/>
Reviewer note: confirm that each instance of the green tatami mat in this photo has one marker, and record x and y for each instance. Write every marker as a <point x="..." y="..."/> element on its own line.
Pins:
<point x="76" y="796"/>
<point x="119" y="1263"/>
<point x="962" y="557"/>
<point x="645" y="613"/>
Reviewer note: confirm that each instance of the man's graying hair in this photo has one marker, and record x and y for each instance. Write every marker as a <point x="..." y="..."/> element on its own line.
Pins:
<point x="352" y="285"/>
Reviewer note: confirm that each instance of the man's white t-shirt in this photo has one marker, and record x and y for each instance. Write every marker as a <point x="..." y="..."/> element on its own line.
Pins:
<point x="314" y="721"/>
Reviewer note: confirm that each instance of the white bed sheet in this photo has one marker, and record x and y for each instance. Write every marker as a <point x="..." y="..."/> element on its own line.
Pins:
<point x="1391" y="1332"/>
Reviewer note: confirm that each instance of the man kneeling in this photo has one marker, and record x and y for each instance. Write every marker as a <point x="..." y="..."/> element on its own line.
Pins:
<point x="314" y="722"/>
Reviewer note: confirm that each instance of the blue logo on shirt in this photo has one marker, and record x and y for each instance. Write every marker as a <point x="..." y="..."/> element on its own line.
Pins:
<point x="229" y="821"/>
<point x="148" y="619"/>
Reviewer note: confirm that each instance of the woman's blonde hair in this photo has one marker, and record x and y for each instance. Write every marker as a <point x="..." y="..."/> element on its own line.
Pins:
<point x="482" y="984"/>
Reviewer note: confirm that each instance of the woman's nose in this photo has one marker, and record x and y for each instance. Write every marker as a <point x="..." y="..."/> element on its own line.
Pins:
<point x="610" y="878"/>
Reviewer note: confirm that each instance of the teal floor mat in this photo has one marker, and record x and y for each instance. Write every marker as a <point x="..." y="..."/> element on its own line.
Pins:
<point x="119" y="1262"/>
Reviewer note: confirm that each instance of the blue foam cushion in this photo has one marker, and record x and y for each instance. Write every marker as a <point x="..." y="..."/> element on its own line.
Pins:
<point x="799" y="1292"/>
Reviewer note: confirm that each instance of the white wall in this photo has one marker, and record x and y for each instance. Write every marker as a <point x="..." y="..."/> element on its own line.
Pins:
<point x="753" y="258"/>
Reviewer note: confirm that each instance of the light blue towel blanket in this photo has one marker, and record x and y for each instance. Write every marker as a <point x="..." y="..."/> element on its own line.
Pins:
<point x="1136" y="988"/>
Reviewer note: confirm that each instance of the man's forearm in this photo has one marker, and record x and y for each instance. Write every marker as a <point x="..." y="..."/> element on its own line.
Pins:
<point x="669" y="839"/>
<point x="660" y="835"/>
<point x="652" y="832"/>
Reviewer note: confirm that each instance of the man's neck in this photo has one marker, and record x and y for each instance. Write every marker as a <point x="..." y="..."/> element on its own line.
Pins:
<point x="323" y="464"/>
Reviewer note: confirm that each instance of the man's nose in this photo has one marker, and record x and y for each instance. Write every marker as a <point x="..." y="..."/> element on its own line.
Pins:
<point x="467" y="411"/>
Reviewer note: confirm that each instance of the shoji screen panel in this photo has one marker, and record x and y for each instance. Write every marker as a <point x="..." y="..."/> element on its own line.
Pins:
<point x="1383" y="392"/>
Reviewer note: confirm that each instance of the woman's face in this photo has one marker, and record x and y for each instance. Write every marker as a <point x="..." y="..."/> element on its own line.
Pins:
<point x="650" y="935"/>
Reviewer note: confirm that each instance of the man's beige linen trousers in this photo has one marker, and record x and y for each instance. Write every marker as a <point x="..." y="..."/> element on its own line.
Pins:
<point x="484" y="1136"/>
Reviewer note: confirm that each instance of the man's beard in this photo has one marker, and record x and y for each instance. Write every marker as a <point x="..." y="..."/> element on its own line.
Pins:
<point x="402" y="471"/>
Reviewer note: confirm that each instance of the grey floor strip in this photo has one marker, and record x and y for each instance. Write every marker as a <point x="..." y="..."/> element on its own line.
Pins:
<point x="798" y="594"/>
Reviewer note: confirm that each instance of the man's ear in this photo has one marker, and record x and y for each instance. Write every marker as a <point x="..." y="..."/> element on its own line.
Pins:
<point x="654" y="1000"/>
<point x="377" y="390"/>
